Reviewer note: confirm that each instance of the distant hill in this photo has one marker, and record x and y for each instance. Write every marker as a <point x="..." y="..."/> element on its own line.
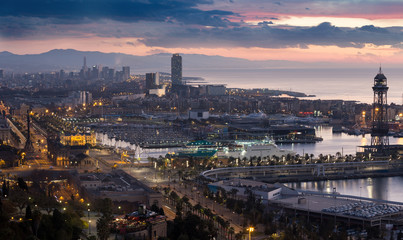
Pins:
<point x="72" y="60"/>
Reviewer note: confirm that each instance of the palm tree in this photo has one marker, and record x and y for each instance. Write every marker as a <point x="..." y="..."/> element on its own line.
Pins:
<point x="233" y="192"/>
<point x="244" y="159"/>
<point x="338" y="155"/>
<point x="239" y="236"/>
<point x="231" y="231"/>
<point x="198" y="208"/>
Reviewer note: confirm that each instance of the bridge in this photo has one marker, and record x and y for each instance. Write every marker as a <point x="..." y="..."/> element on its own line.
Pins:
<point x="314" y="170"/>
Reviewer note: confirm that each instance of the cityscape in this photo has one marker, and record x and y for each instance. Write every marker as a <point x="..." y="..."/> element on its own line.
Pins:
<point x="201" y="120"/>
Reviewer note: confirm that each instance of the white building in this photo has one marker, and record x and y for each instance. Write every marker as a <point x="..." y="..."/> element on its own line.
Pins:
<point x="199" y="114"/>
<point x="264" y="191"/>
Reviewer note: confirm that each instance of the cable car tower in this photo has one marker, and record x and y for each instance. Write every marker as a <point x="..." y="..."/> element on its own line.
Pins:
<point x="380" y="128"/>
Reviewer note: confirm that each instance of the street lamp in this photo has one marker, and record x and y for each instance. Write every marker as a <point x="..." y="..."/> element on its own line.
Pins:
<point x="89" y="221"/>
<point x="250" y="230"/>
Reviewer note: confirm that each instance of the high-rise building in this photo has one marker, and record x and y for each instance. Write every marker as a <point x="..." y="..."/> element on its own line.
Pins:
<point x="176" y="69"/>
<point x="111" y="74"/>
<point x="126" y="72"/>
<point x="61" y="74"/>
<point x="84" y="70"/>
<point x="95" y="72"/>
<point x="152" y="80"/>
<point x="1" y="73"/>
<point x="85" y="98"/>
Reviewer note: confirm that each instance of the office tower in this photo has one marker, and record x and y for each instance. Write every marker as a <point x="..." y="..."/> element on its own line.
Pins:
<point x="84" y="71"/>
<point x="95" y="72"/>
<point x="126" y="72"/>
<point x="104" y="72"/>
<point x="1" y="73"/>
<point x="152" y="80"/>
<point x="85" y="98"/>
<point x="61" y="74"/>
<point x="111" y="74"/>
<point x="85" y="68"/>
<point x="176" y="69"/>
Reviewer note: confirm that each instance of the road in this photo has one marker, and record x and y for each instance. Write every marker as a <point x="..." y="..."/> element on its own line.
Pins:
<point x="150" y="177"/>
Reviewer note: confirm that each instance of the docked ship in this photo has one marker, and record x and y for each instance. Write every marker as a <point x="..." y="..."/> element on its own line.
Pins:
<point x="240" y="149"/>
<point x="248" y="149"/>
<point x="197" y="149"/>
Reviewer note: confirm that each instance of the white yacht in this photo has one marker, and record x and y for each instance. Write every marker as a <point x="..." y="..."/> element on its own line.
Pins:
<point x="249" y="149"/>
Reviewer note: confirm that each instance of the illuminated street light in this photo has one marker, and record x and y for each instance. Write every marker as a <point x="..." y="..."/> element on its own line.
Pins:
<point x="89" y="220"/>
<point x="250" y="230"/>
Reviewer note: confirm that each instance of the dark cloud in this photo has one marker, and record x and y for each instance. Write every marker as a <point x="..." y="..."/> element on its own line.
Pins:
<point x="183" y="11"/>
<point x="372" y="28"/>
<point x="267" y="36"/>
<point x="265" y="23"/>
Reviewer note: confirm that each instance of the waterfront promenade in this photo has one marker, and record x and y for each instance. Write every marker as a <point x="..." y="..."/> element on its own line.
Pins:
<point x="304" y="172"/>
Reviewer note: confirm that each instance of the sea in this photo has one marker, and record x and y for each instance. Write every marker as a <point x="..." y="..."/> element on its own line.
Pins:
<point x="334" y="83"/>
<point x="334" y="142"/>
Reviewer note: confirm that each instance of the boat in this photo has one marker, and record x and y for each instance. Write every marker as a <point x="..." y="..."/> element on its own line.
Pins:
<point x="197" y="149"/>
<point x="249" y="149"/>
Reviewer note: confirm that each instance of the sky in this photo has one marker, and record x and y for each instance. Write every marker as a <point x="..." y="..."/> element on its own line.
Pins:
<point x="334" y="31"/>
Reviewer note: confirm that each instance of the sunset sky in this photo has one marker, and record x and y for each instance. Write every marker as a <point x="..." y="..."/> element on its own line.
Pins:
<point x="338" y="31"/>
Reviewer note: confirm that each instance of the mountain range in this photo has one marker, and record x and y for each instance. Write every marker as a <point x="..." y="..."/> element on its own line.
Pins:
<point x="72" y="60"/>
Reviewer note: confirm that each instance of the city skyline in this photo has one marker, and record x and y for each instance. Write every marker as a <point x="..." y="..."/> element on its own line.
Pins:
<point x="337" y="32"/>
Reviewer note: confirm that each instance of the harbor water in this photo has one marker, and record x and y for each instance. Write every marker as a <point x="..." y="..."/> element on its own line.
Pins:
<point x="333" y="143"/>
<point x="384" y="188"/>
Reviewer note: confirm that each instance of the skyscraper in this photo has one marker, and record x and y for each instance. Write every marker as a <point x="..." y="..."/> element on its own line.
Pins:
<point x="84" y="70"/>
<point x="176" y="69"/>
<point x="152" y="80"/>
<point x="126" y="72"/>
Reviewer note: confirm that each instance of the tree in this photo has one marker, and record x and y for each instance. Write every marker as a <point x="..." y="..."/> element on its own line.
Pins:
<point x="19" y="197"/>
<point x="104" y="206"/>
<point x="306" y="157"/>
<point x="4" y="189"/>
<point x="231" y="232"/>
<point x="28" y="212"/>
<point x="47" y="203"/>
<point x="400" y="235"/>
<point x="103" y="223"/>
<point x="103" y="229"/>
<point x="238" y="236"/>
<point x="22" y="184"/>
<point x="36" y="220"/>
<point x="233" y="192"/>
